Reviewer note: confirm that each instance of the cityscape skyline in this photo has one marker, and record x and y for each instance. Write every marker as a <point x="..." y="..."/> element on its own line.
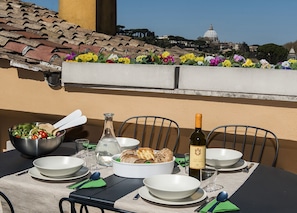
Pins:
<point x="252" y="22"/>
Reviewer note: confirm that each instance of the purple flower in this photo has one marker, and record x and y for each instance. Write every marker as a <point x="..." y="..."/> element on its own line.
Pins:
<point x="238" y="58"/>
<point x="70" y="57"/>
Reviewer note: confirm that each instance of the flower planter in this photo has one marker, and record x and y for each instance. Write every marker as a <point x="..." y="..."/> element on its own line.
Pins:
<point x="120" y="75"/>
<point x="238" y="80"/>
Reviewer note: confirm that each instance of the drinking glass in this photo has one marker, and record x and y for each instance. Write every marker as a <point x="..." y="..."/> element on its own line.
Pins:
<point x="81" y="146"/>
<point x="187" y="162"/>
<point x="209" y="176"/>
<point x="91" y="161"/>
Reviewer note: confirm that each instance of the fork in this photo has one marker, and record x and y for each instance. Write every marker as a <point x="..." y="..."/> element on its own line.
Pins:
<point x="247" y="168"/>
<point x="206" y="201"/>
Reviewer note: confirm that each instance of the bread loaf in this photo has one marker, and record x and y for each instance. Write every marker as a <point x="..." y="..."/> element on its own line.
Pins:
<point x="164" y="155"/>
<point x="145" y="153"/>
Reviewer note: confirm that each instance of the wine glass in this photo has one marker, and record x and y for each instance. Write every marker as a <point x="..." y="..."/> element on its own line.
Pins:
<point x="209" y="176"/>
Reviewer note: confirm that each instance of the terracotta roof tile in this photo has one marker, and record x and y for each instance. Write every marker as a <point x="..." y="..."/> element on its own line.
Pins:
<point x="10" y="34"/>
<point x="3" y="40"/>
<point x="29" y="42"/>
<point x="28" y="35"/>
<point x="33" y="36"/>
<point x="15" y="47"/>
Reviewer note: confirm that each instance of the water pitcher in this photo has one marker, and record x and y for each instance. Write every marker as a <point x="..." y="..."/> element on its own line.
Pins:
<point x="107" y="145"/>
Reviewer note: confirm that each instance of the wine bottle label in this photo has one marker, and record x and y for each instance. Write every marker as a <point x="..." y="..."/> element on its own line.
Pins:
<point x="197" y="157"/>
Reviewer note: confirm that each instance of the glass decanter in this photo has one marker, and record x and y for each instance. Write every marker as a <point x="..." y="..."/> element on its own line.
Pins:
<point x="107" y="145"/>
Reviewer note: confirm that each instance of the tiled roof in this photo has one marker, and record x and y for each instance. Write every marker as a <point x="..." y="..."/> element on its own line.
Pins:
<point x="35" y="38"/>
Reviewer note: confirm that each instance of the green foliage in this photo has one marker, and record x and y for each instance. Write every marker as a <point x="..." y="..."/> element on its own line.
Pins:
<point x="272" y="53"/>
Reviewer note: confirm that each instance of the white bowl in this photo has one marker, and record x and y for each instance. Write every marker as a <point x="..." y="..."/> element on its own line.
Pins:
<point x="221" y="157"/>
<point x="140" y="170"/>
<point x="171" y="187"/>
<point x="58" y="166"/>
<point x="127" y="143"/>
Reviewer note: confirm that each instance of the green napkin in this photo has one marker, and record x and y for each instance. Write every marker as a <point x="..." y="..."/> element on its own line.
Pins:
<point x="180" y="161"/>
<point x="92" y="184"/>
<point x="226" y="206"/>
<point x="90" y="146"/>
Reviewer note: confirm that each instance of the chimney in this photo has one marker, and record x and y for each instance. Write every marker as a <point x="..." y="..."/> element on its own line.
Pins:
<point x="97" y="15"/>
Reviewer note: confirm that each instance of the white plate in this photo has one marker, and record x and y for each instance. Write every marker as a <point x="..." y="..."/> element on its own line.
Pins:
<point x="239" y="165"/>
<point x="199" y="195"/>
<point x="33" y="172"/>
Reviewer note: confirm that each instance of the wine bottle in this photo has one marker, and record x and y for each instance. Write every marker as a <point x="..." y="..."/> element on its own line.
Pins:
<point x="197" y="149"/>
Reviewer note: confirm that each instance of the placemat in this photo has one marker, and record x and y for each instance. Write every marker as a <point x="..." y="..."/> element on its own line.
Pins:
<point x="230" y="180"/>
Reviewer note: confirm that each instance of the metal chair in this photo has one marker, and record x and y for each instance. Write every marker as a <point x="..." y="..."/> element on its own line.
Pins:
<point x="256" y="144"/>
<point x="152" y="131"/>
<point x="7" y="201"/>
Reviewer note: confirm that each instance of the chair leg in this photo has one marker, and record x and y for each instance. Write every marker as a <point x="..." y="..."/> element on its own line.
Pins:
<point x="8" y="202"/>
<point x="83" y="207"/>
<point x="72" y="207"/>
<point x="86" y="209"/>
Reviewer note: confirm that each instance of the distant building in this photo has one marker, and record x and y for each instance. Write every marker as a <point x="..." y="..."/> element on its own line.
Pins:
<point x="292" y="54"/>
<point x="211" y="35"/>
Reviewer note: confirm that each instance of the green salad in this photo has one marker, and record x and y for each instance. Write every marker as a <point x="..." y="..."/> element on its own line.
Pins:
<point x="30" y="131"/>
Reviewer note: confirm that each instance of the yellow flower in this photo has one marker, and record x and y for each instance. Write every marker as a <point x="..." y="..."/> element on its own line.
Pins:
<point x="292" y="61"/>
<point x="187" y="57"/>
<point x="201" y="58"/>
<point x="248" y="63"/>
<point x="140" y="58"/>
<point x="165" y="54"/>
<point x="86" y="57"/>
<point x="227" y="63"/>
<point x="124" y="60"/>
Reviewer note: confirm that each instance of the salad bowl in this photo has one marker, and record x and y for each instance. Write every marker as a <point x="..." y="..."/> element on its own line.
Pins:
<point x="32" y="146"/>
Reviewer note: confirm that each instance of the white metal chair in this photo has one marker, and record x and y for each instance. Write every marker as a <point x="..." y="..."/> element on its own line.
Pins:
<point x="257" y="144"/>
<point x="152" y="131"/>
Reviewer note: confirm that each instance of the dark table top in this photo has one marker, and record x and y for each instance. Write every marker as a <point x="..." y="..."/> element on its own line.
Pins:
<point x="13" y="161"/>
<point x="267" y="190"/>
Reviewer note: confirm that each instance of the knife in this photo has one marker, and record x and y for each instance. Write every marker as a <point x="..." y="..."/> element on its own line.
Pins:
<point x="206" y="201"/>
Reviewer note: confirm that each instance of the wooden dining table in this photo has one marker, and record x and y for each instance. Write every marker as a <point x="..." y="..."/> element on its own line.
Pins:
<point x="267" y="189"/>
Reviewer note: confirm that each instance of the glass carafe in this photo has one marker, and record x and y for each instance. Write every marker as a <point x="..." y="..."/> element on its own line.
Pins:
<point x="107" y="145"/>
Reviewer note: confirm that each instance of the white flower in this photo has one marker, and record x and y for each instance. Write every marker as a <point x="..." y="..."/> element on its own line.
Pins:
<point x="286" y="64"/>
<point x="200" y="63"/>
<point x="208" y="58"/>
<point x="265" y="64"/>
<point x="264" y="61"/>
<point x="113" y="57"/>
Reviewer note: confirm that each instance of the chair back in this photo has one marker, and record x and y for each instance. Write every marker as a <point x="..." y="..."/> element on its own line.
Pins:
<point x="152" y="131"/>
<point x="256" y="144"/>
<point x="4" y="201"/>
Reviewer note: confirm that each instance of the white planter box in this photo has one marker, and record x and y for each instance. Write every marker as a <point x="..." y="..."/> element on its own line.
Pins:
<point x="238" y="80"/>
<point x="120" y="75"/>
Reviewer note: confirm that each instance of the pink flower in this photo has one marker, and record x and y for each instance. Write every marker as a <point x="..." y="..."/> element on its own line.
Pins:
<point x="216" y="61"/>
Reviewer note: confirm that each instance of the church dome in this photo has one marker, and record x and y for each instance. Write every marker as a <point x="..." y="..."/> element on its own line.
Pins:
<point x="211" y="34"/>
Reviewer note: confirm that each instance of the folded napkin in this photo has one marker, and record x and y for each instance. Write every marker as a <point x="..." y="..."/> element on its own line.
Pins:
<point x="180" y="161"/>
<point x="226" y="206"/>
<point x="92" y="184"/>
<point x="90" y="146"/>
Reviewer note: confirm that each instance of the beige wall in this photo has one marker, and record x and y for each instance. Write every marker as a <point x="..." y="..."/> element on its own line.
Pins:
<point x="26" y="91"/>
<point x="85" y="16"/>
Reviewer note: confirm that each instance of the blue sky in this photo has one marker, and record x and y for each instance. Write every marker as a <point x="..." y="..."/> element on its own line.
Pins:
<point x="253" y="21"/>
